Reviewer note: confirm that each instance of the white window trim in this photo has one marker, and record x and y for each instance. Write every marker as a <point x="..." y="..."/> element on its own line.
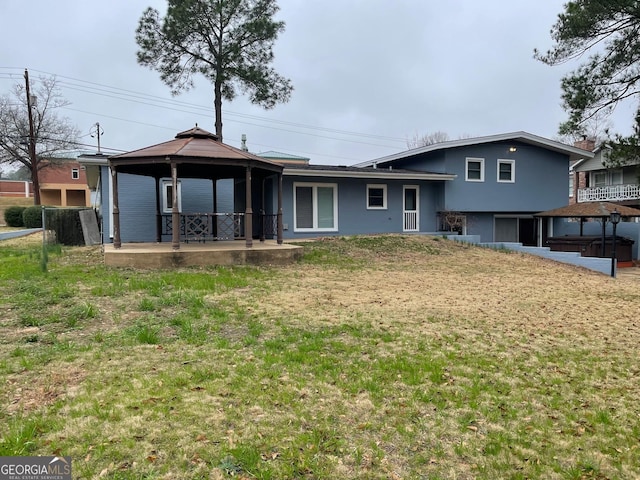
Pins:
<point x="466" y="169"/>
<point x="513" y="170"/>
<point x="75" y="174"/>
<point x="165" y="185"/>
<point x="384" y="196"/>
<point x="315" y="186"/>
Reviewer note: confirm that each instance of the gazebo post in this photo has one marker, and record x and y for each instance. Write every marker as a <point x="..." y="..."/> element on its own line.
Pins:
<point x="117" y="243"/>
<point x="158" y="212"/>
<point x="175" y="213"/>
<point x="280" y="208"/>
<point x="248" y="211"/>
<point x="214" y="217"/>
<point x="539" y="240"/>
<point x="604" y="235"/>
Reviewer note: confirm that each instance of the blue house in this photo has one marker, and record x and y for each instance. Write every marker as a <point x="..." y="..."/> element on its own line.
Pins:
<point x="488" y="186"/>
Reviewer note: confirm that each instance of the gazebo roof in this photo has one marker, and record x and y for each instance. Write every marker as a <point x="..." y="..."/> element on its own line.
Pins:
<point x="590" y="210"/>
<point x="196" y="151"/>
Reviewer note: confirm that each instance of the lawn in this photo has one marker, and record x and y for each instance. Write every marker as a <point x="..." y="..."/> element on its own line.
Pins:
<point x="373" y="358"/>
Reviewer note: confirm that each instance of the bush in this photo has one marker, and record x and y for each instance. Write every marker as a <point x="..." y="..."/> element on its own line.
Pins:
<point x="67" y="225"/>
<point x="32" y="217"/>
<point x="13" y="216"/>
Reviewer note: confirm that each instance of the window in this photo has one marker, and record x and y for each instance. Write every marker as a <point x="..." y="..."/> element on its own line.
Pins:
<point x="571" y="177"/>
<point x="506" y="171"/>
<point x="75" y="173"/>
<point x="376" y="197"/>
<point x="474" y="170"/>
<point x="616" y="177"/>
<point x="599" y="179"/>
<point x="167" y="196"/>
<point x="315" y="207"/>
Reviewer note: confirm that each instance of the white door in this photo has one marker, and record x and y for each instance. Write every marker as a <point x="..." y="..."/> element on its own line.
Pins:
<point x="410" y="209"/>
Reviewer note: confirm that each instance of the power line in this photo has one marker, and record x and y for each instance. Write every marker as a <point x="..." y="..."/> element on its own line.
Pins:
<point x="117" y="93"/>
<point x="142" y="95"/>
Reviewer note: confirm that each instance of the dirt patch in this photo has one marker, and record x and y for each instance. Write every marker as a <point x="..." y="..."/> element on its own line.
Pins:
<point x="47" y="388"/>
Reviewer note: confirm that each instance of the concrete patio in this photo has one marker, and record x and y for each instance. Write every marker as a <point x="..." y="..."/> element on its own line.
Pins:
<point x="163" y="256"/>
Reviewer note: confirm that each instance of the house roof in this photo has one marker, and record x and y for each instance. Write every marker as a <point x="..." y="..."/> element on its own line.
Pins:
<point x="281" y="156"/>
<point x="523" y="137"/>
<point x="590" y="210"/>
<point x="363" y="172"/>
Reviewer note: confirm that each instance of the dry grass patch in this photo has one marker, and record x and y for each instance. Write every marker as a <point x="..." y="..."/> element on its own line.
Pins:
<point x="374" y="357"/>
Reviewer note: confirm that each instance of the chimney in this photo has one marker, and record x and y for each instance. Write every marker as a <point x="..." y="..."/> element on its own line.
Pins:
<point x="585" y="144"/>
<point x="243" y="147"/>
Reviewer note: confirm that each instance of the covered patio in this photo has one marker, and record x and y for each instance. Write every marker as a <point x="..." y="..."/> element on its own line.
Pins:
<point x="201" y="237"/>
<point x="590" y="245"/>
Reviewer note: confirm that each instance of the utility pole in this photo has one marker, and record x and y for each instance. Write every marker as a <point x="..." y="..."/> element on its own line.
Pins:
<point x="32" y="144"/>
<point x="98" y="133"/>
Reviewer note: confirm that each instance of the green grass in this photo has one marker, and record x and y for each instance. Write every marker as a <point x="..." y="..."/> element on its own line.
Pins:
<point x="281" y="373"/>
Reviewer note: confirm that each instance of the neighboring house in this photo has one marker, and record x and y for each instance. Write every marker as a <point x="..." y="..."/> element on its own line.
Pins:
<point x="16" y="189"/>
<point x="594" y="181"/>
<point x="63" y="183"/>
<point x="488" y="186"/>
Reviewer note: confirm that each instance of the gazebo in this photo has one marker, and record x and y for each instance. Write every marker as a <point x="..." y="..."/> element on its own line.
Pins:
<point x="199" y="154"/>
<point x="590" y="210"/>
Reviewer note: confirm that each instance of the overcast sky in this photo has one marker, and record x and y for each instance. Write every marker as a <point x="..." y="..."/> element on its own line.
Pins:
<point x="368" y="74"/>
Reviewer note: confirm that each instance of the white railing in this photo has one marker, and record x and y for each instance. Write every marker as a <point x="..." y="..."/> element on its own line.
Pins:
<point x="410" y="221"/>
<point x="609" y="193"/>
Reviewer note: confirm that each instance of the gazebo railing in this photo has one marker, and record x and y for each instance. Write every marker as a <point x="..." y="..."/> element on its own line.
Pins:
<point x="202" y="227"/>
<point x="269" y="226"/>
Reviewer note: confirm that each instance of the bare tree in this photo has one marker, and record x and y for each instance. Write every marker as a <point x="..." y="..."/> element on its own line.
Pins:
<point x="595" y="128"/>
<point x="52" y="134"/>
<point x="453" y="221"/>
<point x="418" y="140"/>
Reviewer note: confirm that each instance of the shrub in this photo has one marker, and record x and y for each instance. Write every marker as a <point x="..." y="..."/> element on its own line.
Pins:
<point x="66" y="224"/>
<point x="13" y="216"/>
<point x="32" y="217"/>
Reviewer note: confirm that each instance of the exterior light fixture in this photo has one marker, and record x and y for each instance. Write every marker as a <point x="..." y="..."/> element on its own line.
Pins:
<point x="512" y="149"/>
<point x="614" y="218"/>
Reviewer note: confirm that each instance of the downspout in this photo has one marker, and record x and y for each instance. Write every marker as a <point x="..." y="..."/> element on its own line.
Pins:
<point x="175" y="213"/>
<point x="280" y="208"/>
<point x="117" y="243"/>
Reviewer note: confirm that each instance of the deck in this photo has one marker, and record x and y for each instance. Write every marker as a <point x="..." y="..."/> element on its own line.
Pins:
<point x="162" y="256"/>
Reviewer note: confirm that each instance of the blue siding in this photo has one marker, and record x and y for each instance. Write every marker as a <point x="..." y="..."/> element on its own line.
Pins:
<point x="540" y="178"/>
<point x="197" y="195"/>
<point x="138" y="203"/>
<point x="353" y="216"/>
<point x="480" y="224"/>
